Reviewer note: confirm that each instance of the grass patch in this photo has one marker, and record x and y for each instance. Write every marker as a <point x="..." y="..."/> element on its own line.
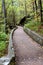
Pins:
<point x="34" y="26"/>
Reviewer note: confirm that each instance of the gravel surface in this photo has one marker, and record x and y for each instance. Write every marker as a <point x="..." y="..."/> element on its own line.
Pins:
<point x="28" y="52"/>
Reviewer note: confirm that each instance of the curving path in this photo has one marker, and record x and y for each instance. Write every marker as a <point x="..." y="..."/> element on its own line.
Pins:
<point x="28" y="52"/>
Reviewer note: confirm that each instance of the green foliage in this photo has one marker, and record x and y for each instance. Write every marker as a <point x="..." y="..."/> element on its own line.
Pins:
<point x="3" y="48"/>
<point x="2" y="45"/>
<point x="3" y="36"/>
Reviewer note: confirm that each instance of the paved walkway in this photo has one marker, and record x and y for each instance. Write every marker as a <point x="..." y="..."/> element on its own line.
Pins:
<point x="28" y="52"/>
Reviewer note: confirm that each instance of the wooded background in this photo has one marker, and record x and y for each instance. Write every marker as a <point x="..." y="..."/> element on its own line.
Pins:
<point x="12" y="11"/>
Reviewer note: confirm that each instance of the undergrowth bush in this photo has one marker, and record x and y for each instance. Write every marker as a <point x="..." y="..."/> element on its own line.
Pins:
<point x="33" y="25"/>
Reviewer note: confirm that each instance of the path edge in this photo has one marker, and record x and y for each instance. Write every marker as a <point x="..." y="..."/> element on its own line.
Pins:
<point x="5" y="60"/>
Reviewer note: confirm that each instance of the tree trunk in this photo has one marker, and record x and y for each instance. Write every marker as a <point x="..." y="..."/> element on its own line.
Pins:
<point x="36" y="9"/>
<point x="25" y="8"/>
<point x="5" y="15"/>
<point x="33" y="8"/>
<point x="13" y="14"/>
<point x="40" y="5"/>
<point x="36" y="6"/>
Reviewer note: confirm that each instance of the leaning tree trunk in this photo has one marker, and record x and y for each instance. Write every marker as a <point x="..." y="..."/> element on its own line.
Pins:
<point x="5" y="15"/>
